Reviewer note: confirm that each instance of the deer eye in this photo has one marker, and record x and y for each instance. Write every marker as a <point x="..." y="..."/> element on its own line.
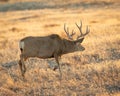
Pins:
<point x="78" y="44"/>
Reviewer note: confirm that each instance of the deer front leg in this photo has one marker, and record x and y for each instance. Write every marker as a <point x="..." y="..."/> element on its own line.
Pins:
<point x="56" y="67"/>
<point x="56" y="58"/>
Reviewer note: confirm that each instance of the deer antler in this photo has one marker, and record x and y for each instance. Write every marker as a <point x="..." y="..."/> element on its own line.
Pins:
<point x="80" y="29"/>
<point x="70" y="36"/>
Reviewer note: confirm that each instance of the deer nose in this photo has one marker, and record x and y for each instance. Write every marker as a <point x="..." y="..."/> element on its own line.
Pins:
<point x="82" y="48"/>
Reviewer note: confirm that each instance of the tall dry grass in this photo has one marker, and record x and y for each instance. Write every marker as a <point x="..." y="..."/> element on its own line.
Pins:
<point x="94" y="72"/>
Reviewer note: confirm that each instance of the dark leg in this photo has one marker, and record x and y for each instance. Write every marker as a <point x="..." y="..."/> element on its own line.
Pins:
<point x="56" y="58"/>
<point x="56" y="67"/>
<point x="22" y="65"/>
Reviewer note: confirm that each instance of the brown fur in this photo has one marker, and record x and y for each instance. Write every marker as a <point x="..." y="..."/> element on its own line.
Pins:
<point x="52" y="46"/>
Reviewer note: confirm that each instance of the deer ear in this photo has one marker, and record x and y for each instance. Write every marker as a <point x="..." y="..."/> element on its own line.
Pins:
<point x="79" y="40"/>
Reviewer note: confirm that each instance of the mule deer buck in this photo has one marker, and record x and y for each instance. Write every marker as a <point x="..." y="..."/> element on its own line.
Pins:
<point x="52" y="46"/>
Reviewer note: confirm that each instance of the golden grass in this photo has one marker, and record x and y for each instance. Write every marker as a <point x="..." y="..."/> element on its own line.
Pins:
<point x="94" y="72"/>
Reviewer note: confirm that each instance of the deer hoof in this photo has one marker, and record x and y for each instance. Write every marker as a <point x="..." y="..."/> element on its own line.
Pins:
<point x="56" y="67"/>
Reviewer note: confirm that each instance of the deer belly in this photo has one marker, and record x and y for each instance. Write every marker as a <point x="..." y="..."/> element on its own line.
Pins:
<point x="45" y="55"/>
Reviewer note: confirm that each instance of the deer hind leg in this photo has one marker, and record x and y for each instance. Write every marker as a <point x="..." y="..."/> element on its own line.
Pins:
<point x="56" y="58"/>
<point x="22" y="64"/>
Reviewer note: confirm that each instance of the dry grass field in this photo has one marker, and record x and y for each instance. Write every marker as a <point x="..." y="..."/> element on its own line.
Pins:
<point x="93" y="72"/>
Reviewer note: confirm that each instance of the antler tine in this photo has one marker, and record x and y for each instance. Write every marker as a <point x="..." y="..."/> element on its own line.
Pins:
<point x="73" y="33"/>
<point x="67" y="32"/>
<point x="87" y="30"/>
<point x="80" y="29"/>
<point x="65" y="28"/>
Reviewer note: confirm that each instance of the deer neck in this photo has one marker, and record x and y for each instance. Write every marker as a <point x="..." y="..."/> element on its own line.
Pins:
<point x="68" y="46"/>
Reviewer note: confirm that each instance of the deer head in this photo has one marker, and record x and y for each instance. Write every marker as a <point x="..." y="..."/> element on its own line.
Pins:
<point x="75" y="45"/>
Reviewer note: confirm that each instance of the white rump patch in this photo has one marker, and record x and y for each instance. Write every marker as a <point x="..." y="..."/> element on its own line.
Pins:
<point x="21" y="44"/>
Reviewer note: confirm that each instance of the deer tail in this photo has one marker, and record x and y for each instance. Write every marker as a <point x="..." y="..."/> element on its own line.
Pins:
<point x="21" y="45"/>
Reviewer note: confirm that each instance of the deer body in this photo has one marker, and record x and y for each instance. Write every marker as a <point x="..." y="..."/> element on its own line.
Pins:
<point x="41" y="47"/>
<point x="52" y="46"/>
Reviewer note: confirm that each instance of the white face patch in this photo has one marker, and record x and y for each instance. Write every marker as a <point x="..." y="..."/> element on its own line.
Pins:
<point x="21" y="44"/>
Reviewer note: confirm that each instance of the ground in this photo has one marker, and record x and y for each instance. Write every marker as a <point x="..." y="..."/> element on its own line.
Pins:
<point x="93" y="72"/>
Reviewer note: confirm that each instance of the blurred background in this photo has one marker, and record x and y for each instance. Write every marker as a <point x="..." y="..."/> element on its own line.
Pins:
<point x="93" y="72"/>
